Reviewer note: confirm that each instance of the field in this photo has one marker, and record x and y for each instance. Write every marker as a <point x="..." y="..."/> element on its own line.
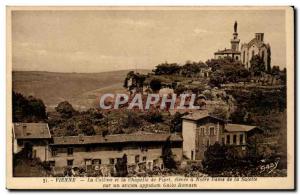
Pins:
<point x="80" y="89"/>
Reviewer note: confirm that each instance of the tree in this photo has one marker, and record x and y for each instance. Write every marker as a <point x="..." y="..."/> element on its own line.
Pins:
<point x="65" y="109"/>
<point x="214" y="158"/>
<point x="217" y="78"/>
<point x="28" y="109"/>
<point x="167" y="69"/>
<point x="155" y="85"/>
<point x="37" y="107"/>
<point x="180" y="89"/>
<point x="191" y="69"/>
<point x="219" y="64"/>
<point x="131" y="119"/>
<point x="176" y="122"/>
<point x="220" y="112"/>
<point x="86" y="127"/>
<point x="121" y="166"/>
<point x="257" y="65"/>
<point x="238" y="116"/>
<point x="269" y="60"/>
<point x="227" y="70"/>
<point x="70" y="129"/>
<point x="137" y="81"/>
<point x="167" y="155"/>
<point x="153" y="116"/>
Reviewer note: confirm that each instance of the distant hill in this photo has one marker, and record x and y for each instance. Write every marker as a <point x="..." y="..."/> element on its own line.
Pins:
<point x="80" y="89"/>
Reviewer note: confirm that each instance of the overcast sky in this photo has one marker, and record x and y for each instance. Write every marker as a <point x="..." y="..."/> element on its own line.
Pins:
<point x="96" y="41"/>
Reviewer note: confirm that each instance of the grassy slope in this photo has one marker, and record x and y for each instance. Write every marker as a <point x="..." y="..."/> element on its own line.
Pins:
<point x="80" y="89"/>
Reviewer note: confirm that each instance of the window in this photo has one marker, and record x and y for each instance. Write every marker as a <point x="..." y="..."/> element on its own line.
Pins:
<point x="228" y="139"/>
<point x="137" y="159"/>
<point x="149" y="165"/>
<point x="70" y="151"/>
<point x="96" y="161"/>
<point x="111" y="161"/>
<point x="206" y="132"/>
<point x="144" y="158"/>
<point x="211" y="130"/>
<point x="88" y="162"/>
<point x="244" y="57"/>
<point x="70" y="162"/>
<point x="202" y="130"/>
<point x="143" y="148"/>
<point x="52" y="163"/>
<point x="53" y="152"/>
<point x="252" y="53"/>
<point x="241" y="139"/>
<point x="192" y="155"/>
<point x="236" y="57"/>
<point x="234" y="139"/>
<point x="207" y="143"/>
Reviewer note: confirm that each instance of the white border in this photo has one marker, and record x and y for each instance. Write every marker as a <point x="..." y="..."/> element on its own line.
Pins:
<point x="4" y="3"/>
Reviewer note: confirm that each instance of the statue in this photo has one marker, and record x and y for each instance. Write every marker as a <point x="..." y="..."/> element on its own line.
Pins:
<point x="235" y="27"/>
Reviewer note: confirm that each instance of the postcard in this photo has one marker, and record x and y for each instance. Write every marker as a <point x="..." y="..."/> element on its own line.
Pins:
<point x="150" y="98"/>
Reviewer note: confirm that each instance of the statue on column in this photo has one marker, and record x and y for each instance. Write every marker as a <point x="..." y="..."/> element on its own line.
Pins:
<point x="235" y="27"/>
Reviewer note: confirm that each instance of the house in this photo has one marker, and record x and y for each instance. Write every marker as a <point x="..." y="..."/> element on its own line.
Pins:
<point x="33" y="138"/>
<point x="95" y="150"/>
<point x="233" y="52"/>
<point x="143" y="150"/>
<point x="200" y="130"/>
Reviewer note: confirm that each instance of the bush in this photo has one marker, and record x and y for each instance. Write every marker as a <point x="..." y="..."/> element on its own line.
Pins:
<point x="121" y="167"/>
<point x="167" y="155"/>
<point x="155" y="85"/>
<point x="214" y="158"/>
<point x="28" y="109"/>
<point x="65" y="109"/>
<point x="153" y="117"/>
<point x="131" y="119"/>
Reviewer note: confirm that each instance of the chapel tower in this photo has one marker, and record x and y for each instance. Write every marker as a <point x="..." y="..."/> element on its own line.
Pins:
<point x="235" y="41"/>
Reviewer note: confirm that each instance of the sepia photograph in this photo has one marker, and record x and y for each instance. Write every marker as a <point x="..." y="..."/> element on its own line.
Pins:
<point x="150" y="98"/>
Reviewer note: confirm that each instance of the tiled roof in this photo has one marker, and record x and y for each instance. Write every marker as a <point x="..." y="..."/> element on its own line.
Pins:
<point x="195" y="116"/>
<point x="31" y="131"/>
<point x="256" y="42"/>
<point x="117" y="138"/>
<point x="239" y="128"/>
<point x="227" y="51"/>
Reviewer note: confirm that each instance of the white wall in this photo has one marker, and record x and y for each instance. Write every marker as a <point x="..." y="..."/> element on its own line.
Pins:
<point x="79" y="155"/>
<point x="189" y="134"/>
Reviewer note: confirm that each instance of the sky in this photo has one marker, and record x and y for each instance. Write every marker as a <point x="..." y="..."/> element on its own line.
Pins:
<point x="108" y="40"/>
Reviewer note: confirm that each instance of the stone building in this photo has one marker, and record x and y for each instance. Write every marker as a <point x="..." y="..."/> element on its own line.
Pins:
<point x="233" y="52"/>
<point x="203" y="130"/>
<point x="33" y="138"/>
<point x="143" y="150"/>
<point x="140" y="149"/>
<point x="256" y="46"/>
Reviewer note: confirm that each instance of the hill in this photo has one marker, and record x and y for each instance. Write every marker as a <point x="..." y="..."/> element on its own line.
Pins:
<point x="80" y="89"/>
